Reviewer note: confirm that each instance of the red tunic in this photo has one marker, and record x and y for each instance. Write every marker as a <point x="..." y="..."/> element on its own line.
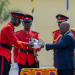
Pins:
<point x="8" y="37"/>
<point x="24" y="36"/>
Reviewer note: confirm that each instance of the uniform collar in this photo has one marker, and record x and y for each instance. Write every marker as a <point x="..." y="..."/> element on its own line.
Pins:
<point x="26" y="31"/>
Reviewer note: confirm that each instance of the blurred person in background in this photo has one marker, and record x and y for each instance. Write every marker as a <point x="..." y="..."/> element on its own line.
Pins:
<point x="56" y="34"/>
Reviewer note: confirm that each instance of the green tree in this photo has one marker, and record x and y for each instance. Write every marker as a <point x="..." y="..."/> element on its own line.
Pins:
<point x="5" y="12"/>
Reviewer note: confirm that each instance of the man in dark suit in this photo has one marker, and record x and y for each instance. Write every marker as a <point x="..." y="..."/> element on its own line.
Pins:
<point x="64" y="50"/>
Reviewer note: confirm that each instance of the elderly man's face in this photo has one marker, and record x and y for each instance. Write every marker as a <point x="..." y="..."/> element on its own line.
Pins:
<point x="64" y="27"/>
<point x="62" y="30"/>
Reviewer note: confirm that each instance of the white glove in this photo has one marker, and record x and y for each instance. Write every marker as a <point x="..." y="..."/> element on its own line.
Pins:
<point x="35" y="41"/>
<point x="36" y="46"/>
<point x="16" y="66"/>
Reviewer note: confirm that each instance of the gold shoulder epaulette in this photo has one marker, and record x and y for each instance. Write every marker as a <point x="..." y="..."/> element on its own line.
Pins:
<point x="55" y="30"/>
<point x="9" y="25"/>
<point x="36" y="32"/>
<point x="72" y="29"/>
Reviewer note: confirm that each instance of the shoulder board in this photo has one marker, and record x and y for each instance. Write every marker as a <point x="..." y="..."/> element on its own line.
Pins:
<point x="36" y="32"/>
<point x="9" y="26"/>
<point x="55" y="30"/>
<point x="72" y="29"/>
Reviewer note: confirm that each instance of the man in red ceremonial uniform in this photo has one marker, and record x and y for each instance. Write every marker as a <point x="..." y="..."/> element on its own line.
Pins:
<point x="25" y="58"/>
<point x="7" y="38"/>
<point x="56" y="34"/>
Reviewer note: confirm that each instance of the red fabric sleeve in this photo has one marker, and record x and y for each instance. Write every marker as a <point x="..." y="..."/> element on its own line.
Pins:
<point x="11" y="36"/>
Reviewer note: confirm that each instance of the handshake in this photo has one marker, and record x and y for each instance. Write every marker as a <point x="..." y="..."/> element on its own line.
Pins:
<point x="37" y="43"/>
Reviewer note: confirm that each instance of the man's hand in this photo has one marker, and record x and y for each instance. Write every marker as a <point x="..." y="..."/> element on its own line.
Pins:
<point x="16" y="66"/>
<point x="36" y="45"/>
<point x="33" y="43"/>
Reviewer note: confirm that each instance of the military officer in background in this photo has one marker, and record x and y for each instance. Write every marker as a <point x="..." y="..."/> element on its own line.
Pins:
<point x="26" y="58"/>
<point x="56" y="34"/>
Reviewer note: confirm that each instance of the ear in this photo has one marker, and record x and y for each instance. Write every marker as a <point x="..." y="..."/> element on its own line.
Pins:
<point x="30" y="23"/>
<point x="22" y="23"/>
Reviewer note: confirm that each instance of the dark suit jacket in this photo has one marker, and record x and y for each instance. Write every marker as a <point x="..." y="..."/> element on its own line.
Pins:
<point x="64" y="51"/>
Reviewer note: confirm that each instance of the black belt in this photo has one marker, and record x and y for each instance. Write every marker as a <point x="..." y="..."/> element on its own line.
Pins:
<point x="6" y="46"/>
<point x="27" y="51"/>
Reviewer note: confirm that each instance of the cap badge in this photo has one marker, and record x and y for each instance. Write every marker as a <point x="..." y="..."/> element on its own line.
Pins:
<point x="26" y="17"/>
<point x="59" y="17"/>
